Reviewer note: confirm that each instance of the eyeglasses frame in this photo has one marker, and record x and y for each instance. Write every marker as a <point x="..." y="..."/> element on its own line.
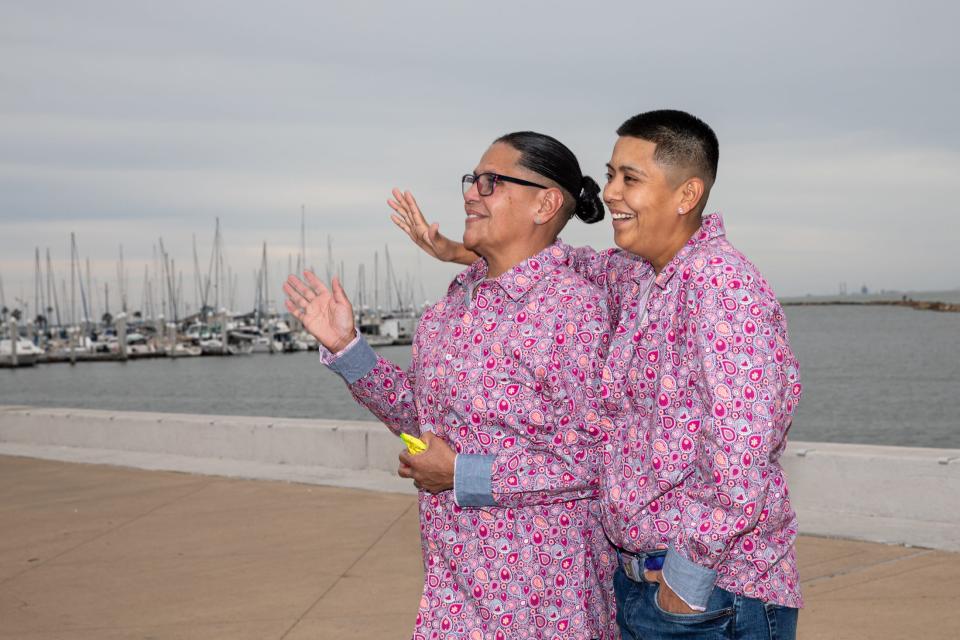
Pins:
<point x="497" y="177"/>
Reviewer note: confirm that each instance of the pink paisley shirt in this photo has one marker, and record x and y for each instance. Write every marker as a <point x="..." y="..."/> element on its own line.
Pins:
<point x="509" y="368"/>
<point x="702" y="386"/>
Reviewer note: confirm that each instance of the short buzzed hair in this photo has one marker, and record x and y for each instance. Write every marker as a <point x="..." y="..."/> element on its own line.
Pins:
<point x="683" y="141"/>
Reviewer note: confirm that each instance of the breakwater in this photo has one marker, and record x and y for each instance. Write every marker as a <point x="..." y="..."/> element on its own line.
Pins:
<point x="919" y="305"/>
<point x="904" y="495"/>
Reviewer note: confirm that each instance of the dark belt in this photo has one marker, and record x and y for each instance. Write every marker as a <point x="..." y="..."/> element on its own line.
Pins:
<point x="634" y="564"/>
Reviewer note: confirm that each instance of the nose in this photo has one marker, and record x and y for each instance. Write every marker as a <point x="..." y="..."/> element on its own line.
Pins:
<point x="472" y="194"/>
<point x="611" y="191"/>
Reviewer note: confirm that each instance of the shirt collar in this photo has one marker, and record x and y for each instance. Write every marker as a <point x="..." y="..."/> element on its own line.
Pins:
<point x="640" y="270"/>
<point x="521" y="278"/>
<point x="711" y="227"/>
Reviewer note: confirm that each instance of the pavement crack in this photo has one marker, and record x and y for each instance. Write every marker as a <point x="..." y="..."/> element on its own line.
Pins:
<point x="866" y="567"/>
<point x="39" y="563"/>
<point x="346" y="571"/>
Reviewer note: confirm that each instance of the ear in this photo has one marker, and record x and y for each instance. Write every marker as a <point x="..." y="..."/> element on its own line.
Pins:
<point x="551" y="202"/>
<point x="690" y="194"/>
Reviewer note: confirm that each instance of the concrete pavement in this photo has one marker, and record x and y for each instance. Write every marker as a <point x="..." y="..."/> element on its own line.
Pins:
<point x="97" y="552"/>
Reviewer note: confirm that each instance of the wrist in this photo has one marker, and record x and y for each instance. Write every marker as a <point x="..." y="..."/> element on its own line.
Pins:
<point x="462" y="255"/>
<point x="341" y="344"/>
<point x="452" y="472"/>
<point x="352" y="363"/>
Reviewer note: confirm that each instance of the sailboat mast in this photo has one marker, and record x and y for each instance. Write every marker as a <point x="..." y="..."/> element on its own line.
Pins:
<point x="63" y="291"/>
<point x="88" y="310"/>
<point x="38" y="300"/>
<point x="73" y="279"/>
<point x="146" y="306"/>
<point x="265" y="293"/>
<point x="181" y="305"/>
<point x="361" y="290"/>
<point x="52" y="286"/>
<point x="330" y="269"/>
<point x="122" y="282"/>
<point x="215" y="258"/>
<point x="159" y="278"/>
<point x="196" y="275"/>
<point x="302" y="258"/>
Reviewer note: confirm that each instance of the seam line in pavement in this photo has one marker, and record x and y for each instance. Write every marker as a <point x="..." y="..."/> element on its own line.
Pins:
<point x="189" y="624"/>
<point x="347" y="570"/>
<point x="862" y="568"/>
<point x="105" y="533"/>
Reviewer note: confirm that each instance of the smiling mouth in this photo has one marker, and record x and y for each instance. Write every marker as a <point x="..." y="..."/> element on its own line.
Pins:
<point x="616" y="215"/>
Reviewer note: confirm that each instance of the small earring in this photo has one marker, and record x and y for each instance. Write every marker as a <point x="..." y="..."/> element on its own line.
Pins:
<point x="680" y="210"/>
<point x="537" y="220"/>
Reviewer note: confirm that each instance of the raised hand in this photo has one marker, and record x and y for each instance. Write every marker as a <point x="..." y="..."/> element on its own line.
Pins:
<point x="408" y="217"/>
<point x="326" y="313"/>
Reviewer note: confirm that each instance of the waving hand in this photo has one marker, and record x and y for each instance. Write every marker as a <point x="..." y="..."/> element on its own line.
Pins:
<point x="426" y="236"/>
<point x="326" y="313"/>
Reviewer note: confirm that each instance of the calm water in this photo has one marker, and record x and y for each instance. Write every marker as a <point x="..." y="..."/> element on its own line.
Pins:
<point x="877" y="375"/>
<point x="871" y="375"/>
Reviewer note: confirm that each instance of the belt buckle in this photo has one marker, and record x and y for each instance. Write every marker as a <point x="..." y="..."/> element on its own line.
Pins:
<point x="632" y="566"/>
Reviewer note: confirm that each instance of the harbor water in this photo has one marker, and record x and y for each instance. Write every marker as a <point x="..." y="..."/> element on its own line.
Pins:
<point x="872" y="375"/>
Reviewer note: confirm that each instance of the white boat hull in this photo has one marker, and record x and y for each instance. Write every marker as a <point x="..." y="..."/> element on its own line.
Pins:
<point x="27" y="353"/>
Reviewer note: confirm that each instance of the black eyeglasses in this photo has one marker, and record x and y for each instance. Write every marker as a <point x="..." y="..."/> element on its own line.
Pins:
<point x="487" y="182"/>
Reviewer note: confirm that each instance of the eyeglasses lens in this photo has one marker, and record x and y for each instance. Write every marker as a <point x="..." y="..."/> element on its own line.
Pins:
<point x="486" y="182"/>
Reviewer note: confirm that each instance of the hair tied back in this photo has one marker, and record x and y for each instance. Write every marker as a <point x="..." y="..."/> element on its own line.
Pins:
<point x="589" y="206"/>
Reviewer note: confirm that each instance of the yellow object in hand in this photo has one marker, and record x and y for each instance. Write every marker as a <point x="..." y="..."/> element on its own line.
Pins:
<point x="414" y="445"/>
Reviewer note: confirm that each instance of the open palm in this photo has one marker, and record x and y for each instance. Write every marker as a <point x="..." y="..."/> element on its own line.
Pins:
<point x="326" y="313"/>
<point x="427" y="236"/>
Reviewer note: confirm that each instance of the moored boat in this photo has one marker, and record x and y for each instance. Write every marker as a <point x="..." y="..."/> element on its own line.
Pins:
<point x="27" y="353"/>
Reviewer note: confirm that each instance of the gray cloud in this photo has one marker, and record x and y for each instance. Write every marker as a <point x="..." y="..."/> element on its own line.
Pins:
<point x="127" y="121"/>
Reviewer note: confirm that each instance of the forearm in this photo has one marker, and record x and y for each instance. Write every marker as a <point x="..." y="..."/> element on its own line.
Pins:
<point x="377" y="384"/>
<point x="524" y="479"/>
<point x="462" y="255"/>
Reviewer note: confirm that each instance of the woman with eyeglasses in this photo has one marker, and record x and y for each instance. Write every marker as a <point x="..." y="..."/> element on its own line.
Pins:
<point x="503" y="387"/>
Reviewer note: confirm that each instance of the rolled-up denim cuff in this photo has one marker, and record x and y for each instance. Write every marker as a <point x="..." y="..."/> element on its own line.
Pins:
<point x="353" y="363"/>
<point x="690" y="581"/>
<point x="472" y="484"/>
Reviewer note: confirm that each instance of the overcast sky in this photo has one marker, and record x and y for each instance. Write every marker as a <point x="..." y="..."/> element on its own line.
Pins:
<point x="130" y="121"/>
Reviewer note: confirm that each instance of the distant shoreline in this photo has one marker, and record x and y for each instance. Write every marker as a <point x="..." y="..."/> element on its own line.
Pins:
<point x="919" y="305"/>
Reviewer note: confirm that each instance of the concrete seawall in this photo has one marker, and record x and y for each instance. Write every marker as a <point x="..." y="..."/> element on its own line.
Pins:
<point x="899" y="495"/>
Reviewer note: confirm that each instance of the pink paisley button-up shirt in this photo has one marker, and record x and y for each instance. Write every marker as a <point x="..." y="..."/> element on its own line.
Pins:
<point x="702" y="385"/>
<point x="510" y="367"/>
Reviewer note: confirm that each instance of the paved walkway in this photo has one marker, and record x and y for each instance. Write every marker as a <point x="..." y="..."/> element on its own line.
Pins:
<point x="94" y="552"/>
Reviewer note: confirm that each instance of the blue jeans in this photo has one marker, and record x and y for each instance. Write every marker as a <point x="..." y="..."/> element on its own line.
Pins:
<point x="728" y="616"/>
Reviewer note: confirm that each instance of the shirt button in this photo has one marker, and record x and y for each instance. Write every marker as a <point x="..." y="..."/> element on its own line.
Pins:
<point x="448" y="357"/>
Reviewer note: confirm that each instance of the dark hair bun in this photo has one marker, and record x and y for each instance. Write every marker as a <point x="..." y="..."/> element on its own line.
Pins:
<point x="589" y="206"/>
<point x="552" y="159"/>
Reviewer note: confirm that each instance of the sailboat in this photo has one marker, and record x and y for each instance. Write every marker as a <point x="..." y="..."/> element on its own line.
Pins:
<point x="27" y="352"/>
